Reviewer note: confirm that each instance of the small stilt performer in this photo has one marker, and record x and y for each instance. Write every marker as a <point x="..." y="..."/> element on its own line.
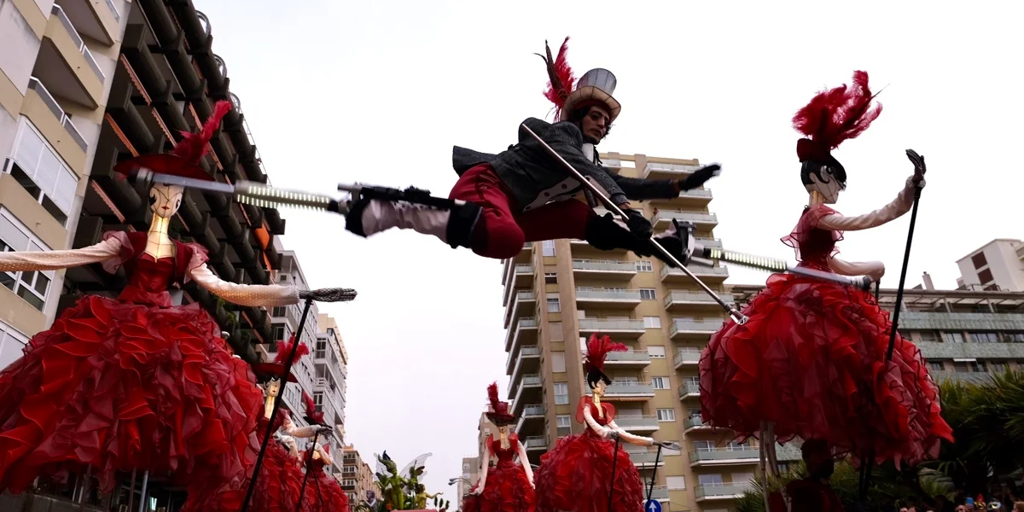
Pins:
<point x="326" y="494"/>
<point x="524" y="194"/>
<point x="811" y="360"/>
<point x="590" y="472"/>
<point x="507" y="487"/>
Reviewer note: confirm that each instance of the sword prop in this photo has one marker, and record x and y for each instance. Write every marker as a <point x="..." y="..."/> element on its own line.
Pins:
<point x="777" y="265"/>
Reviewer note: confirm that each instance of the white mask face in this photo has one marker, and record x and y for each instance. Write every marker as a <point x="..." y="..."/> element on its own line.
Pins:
<point x="165" y="199"/>
<point x="828" y="185"/>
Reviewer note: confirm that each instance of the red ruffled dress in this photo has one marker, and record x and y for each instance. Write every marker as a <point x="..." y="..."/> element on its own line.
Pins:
<point x="811" y="359"/>
<point x="129" y="384"/>
<point x="507" y="487"/>
<point x="323" y="492"/>
<point x="576" y="474"/>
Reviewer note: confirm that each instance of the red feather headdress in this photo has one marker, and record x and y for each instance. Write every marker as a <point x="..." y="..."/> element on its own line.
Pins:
<point x="835" y="116"/>
<point x="312" y="416"/>
<point x="560" y="77"/>
<point x="598" y="349"/>
<point x="499" y="413"/>
<point x="276" y="369"/>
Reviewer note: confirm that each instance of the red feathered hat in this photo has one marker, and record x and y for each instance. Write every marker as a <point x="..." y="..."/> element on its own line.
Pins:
<point x="835" y="116"/>
<point x="275" y="370"/>
<point x="594" y="88"/>
<point x="312" y="416"/>
<point x="499" y="413"/>
<point x="597" y="349"/>
<point x="183" y="160"/>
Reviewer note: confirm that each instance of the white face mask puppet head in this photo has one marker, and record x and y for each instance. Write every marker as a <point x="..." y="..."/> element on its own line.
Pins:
<point x="825" y="178"/>
<point x="164" y="200"/>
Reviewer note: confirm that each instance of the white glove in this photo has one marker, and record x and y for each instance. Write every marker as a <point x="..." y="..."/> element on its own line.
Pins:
<point x="479" y="489"/>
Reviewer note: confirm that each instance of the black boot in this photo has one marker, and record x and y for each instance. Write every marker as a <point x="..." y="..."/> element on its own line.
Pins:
<point x="606" y="234"/>
<point x="678" y="240"/>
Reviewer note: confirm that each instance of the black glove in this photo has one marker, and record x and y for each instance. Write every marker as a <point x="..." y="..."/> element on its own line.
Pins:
<point x="328" y="294"/>
<point x="700" y="176"/>
<point x="638" y="225"/>
<point x="919" y="167"/>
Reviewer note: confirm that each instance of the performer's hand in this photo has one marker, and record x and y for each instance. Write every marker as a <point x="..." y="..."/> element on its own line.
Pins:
<point x="668" y="445"/>
<point x="700" y="176"/>
<point x="638" y="225"/>
<point x="324" y="429"/>
<point x="479" y="489"/>
<point x="328" y="294"/>
<point x="919" y="167"/>
<point x="611" y="434"/>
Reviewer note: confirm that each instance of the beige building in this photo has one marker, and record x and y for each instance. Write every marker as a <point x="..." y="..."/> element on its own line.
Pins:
<point x="57" y="63"/>
<point x="998" y="265"/>
<point x="558" y="293"/>
<point x="357" y="477"/>
<point x="470" y="474"/>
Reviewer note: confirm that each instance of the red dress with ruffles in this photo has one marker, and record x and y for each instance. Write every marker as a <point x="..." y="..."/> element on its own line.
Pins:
<point x="507" y="488"/>
<point x="811" y="359"/>
<point x="576" y="474"/>
<point x="323" y="492"/>
<point x="129" y="384"/>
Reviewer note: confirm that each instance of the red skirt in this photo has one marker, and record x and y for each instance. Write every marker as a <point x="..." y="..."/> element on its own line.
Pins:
<point x="324" y="494"/>
<point x="277" y="489"/>
<point x="508" y="490"/>
<point x="811" y="359"/>
<point x="577" y="474"/>
<point x="116" y="386"/>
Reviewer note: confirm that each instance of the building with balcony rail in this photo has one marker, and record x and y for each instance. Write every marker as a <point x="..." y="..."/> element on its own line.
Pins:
<point x="330" y="361"/>
<point x="357" y="477"/>
<point x="469" y="477"/>
<point x="558" y="293"/>
<point x="57" y="62"/>
<point x="998" y="265"/>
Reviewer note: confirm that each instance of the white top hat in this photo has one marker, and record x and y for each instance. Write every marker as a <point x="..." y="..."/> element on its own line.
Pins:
<point x="595" y="87"/>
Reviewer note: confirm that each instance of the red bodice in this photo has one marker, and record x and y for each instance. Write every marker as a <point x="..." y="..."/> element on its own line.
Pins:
<point x="812" y="244"/>
<point x="505" y="455"/>
<point x="602" y="419"/>
<point x="149" y="278"/>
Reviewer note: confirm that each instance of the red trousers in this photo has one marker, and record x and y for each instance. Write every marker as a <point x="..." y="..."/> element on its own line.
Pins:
<point x="500" y="233"/>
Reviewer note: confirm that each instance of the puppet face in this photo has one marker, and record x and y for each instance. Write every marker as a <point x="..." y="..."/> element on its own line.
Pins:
<point x="826" y="182"/>
<point x="164" y="200"/>
<point x="599" y="388"/>
<point x="503" y="430"/>
<point x="273" y="387"/>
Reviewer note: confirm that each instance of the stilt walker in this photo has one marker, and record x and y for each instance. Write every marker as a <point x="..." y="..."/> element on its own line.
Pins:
<point x="811" y="362"/>
<point x="507" y="487"/>
<point x="583" y="472"/>
<point x="329" y="496"/>
<point x="134" y="383"/>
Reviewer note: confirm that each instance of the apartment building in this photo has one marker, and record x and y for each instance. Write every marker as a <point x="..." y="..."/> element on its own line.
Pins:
<point x="330" y="362"/>
<point x="469" y="477"/>
<point x="998" y="265"/>
<point x="558" y="293"/>
<point x="358" y="478"/>
<point x="57" y="63"/>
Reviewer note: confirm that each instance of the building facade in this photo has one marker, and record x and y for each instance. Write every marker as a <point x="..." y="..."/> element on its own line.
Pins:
<point x="998" y="265"/>
<point x="58" y="61"/>
<point x="357" y="477"/>
<point x="470" y="475"/>
<point x="558" y="293"/>
<point x="330" y="361"/>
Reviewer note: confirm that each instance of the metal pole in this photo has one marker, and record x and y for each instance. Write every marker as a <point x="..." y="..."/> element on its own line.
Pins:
<point x="145" y="489"/>
<point x="131" y="491"/>
<point x="615" y="458"/>
<point x="309" y="469"/>
<point x="650" y="489"/>
<point x="903" y="276"/>
<point x="277" y="406"/>
<point x="733" y="312"/>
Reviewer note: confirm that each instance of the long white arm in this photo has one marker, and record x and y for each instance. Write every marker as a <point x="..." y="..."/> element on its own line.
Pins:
<point x="244" y="294"/>
<point x="56" y="260"/>
<point x="483" y="470"/>
<point x="630" y="438"/>
<point x="592" y="423"/>
<point x="289" y="427"/>
<point x="901" y="205"/>
<point x="524" y="461"/>
<point x="873" y="269"/>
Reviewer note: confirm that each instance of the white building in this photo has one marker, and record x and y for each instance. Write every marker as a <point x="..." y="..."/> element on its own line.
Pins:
<point x="998" y="265"/>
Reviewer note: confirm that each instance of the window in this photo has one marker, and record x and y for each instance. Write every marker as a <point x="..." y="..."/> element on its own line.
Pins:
<point x="742" y="478"/>
<point x="550" y="277"/>
<point x="644" y="266"/>
<point x="279" y="311"/>
<point x="984" y="337"/>
<point x="954" y="337"/>
<point x="694" y="413"/>
<point x="930" y="336"/>
<point x="1014" y="337"/>
<point x="647" y="294"/>
<point x="278" y="330"/>
<point x="652" y="322"/>
<point x="656" y="351"/>
<point x="660" y="382"/>
<point x="30" y="285"/>
<point x="985" y="276"/>
<point x="935" y="366"/>
<point x="555" y="331"/>
<point x="710" y="480"/>
<point x="561" y="393"/>
<point x="553" y="305"/>
<point x="979" y="260"/>
<point x="42" y="173"/>
<point x="675" y="483"/>
<point x="12" y="343"/>
<point x="548" y="248"/>
<point x="348" y="483"/>
<point x="563" y="421"/>
<point x="558" y="362"/>
<point x="967" y="367"/>
<point x="321" y="349"/>
<point x="703" y="446"/>
<point x="666" y="415"/>
<point x="998" y="366"/>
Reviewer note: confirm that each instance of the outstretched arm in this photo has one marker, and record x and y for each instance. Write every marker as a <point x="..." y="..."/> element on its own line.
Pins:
<point x="483" y="471"/>
<point x="873" y="269"/>
<point x="630" y="438"/>
<point x="640" y="189"/>
<point x="55" y="260"/>
<point x="289" y="427"/>
<point x="244" y="294"/>
<point x="889" y="212"/>
<point x="524" y="461"/>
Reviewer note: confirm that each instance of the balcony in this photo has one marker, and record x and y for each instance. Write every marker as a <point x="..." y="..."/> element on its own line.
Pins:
<point x="977" y="378"/>
<point x="725" y="456"/>
<point x="517" y="275"/>
<point x="689" y="390"/>
<point x="620" y="329"/>
<point x="628" y="359"/>
<point x="695" y="423"/>
<point x="710" y="275"/>
<point x="529" y="389"/>
<point x="612" y="270"/>
<point x="686" y="357"/>
<point x="937" y="350"/>
<point x="606" y="298"/>
<point x="687" y="300"/>
<point x="693" y="329"/>
<point x="702" y="221"/>
<point x="537" y="443"/>
<point x="99" y="20"/>
<point x="659" y="493"/>
<point x="645" y="459"/>
<point x="628" y="391"/>
<point x="637" y="423"/>
<point x="528" y="362"/>
<point x="66" y="64"/>
<point x="722" y="491"/>
<point x="62" y="134"/>
<point x="524" y="333"/>
<point x="961" y="321"/>
<point x="660" y="171"/>
<point x="530" y="412"/>
<point x="524" y="303"/>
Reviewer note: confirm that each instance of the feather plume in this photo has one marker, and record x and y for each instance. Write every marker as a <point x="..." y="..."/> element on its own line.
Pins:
<point x="560" y="76"/>
<point x="311" y="414"/>
<point x="838" y="114"/>
<point x="193" y="145"/>
<point x="598" y="349"/>
<point x="285" y="347"/>
<point x="492" y="396"/>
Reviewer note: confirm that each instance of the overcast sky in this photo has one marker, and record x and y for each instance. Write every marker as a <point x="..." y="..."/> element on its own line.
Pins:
<point x="378" y="92"/>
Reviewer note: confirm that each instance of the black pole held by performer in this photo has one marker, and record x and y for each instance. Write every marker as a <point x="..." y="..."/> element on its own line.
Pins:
<point x="611" y="486"/>
<point x="918" y="177"/>
<point x="654" y="475"/>
<point x="309" y="469"/>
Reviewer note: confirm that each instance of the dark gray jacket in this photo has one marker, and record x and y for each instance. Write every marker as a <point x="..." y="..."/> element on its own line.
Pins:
<point x="535" y="177"/>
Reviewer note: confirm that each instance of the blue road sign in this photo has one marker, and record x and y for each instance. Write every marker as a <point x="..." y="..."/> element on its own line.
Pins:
<point x="652" y="506"/>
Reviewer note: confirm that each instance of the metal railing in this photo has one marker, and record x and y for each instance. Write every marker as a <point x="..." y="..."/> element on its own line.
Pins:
<point x="603" y="324"/>
<point x="532" y="379"/>
<point x="629" y="389"/>
<point x="523" y="268"/>
<point x="694" y="326"/>
<point x="724" y="453"/>
<point x="77" y="39"/>
<point x="535" y="442"/>
<point x="533" y="410"/>
<point x="65" y="120"/>
<point x="694" y="422"/>
<point x="607" y="294"/>
<point x="689" y="388"/>
<point x="637" y="422"/>
<point x="687" y="355"/>
<point x="604" y="266"/>
<point x="696" y="218"/>
<point x="718" y="490"/>
<point x="629" y="356"/>
<point x="698" y="297"/>
<point x="698" y="270"/>
<point x="662" y="167"/>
